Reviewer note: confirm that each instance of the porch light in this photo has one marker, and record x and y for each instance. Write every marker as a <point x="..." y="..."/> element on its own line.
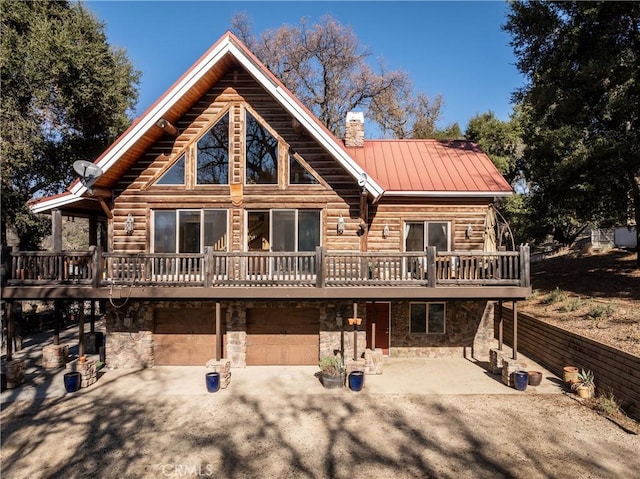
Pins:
<point x="468" y="231"/>
<point x="340" y="225"/>
<point x="385" y="231"/>
<point x="128" y="224"/>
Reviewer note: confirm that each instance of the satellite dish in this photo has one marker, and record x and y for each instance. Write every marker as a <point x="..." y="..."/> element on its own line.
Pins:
<point x="362" y="179"/>
<point x="88" y="172"/>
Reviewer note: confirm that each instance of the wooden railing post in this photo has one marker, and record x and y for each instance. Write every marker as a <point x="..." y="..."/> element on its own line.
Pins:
<point x="320" y="278"/>
<point x="431" y="266"/>
<point x="208" y="266"/>
<point x="97" y="266"/>
<point x="525" y="270"/>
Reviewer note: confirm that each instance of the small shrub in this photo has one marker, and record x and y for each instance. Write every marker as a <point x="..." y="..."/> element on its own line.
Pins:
<point x="601" y="311"/>
<point x="608" y="404"/>
<point x="330" y="365"/>
<point x="555" y="296"/>
<point x="573" y="305"/>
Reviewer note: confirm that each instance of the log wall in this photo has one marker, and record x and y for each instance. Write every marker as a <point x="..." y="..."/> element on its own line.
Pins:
<point x="614" y="370"/>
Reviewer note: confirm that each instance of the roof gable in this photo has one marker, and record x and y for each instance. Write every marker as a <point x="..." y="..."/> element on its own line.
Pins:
<point x="227" y="46"/>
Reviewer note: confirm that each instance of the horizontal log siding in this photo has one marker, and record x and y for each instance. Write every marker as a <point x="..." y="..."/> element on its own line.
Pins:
<point x="554" y="348"/>
<point x="395" y="212"/>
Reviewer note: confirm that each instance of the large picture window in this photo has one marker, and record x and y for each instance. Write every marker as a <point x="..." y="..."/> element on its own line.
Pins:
<point x="283" y="230"/>
<point x="213" y="154"/>
<point x="261" y="153"/>
<point x="189" y="231"/>
<point x="427" y="318"/>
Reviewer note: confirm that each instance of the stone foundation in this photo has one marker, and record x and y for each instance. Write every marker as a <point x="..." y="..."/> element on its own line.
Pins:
<point x="496" y="358"/>
<point x="372" y="362"/>
<point x="55" y="356"/>
<point x="224" y="368"/>
<point x="87" y="370"/>
<point x="510" y="366"/>
<point x="13" y="372"/>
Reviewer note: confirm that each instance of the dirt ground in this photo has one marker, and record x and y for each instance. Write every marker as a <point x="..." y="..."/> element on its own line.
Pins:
<point x="596" y="295"/>
<point x="116" y="434"/>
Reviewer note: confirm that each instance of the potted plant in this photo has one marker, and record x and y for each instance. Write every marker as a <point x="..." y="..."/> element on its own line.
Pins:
<point x="332" y="372"/>
<point x="585" y="387"/>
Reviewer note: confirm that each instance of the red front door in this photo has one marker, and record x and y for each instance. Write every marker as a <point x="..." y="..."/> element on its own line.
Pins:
<point x="378" y="314"/>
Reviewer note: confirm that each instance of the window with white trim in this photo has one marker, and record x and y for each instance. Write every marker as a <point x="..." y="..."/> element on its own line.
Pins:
<point x="427" y="318"/>
<point x="189" y="230"/>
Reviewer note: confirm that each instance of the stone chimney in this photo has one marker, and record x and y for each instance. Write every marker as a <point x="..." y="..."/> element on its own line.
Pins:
<point x="354" y="130"/>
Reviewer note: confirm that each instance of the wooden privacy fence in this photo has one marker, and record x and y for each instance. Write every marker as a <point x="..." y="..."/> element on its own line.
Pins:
<point x="615" y="370"/>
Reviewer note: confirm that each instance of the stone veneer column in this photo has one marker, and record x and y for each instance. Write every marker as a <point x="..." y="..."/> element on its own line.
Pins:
<point x="236" y="336"/>
<point x="129" y="341"/>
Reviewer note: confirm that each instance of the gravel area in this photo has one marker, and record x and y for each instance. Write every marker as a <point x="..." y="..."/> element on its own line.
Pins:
<point x="342" y="434"/>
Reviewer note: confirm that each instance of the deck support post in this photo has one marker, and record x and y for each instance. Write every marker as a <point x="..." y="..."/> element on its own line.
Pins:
<point x="500" y="325"/>
<point x="515" y="330"/>
<point x="218" y="332"/>
<point x="10" y="329"/>
<point x="81" y="328"/>
<point x="374" y="317"/>
<point x="57" y="315"/>
<point x="355" y="332"/>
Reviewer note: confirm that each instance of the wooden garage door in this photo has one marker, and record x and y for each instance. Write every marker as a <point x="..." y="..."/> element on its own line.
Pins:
<point x="184" y="337"/>
<point x="282" y="336"/>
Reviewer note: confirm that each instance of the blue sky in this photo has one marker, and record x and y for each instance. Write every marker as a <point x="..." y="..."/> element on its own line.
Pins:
<point x="456" y="49"/>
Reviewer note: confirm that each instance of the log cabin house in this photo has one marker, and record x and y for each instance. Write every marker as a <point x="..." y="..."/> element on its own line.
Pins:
<point x="237" y="226"/>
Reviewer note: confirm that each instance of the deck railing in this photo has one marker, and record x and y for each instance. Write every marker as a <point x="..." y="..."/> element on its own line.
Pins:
<point x="318" y="268"/>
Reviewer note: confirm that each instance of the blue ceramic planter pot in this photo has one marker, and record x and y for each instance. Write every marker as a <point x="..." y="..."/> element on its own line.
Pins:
<point x="520" y="380"/>
<point x="72" y="382"/>
<point x="356" y="380"/>
<point x="213" y="382"/>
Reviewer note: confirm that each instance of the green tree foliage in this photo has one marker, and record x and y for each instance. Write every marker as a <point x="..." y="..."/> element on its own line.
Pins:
<point x="501" y="140"/>
<point x="325" y="66"/>
<point x="582" y="62"/>
<point x="503" y="143"/>
<point x="66" y="95"/>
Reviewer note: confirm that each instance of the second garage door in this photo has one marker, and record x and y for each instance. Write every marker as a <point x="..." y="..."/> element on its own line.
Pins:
<point x="282" y="336"/>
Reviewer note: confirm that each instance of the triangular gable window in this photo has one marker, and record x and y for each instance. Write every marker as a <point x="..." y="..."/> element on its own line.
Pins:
<point x="174" y="175"/>
<point x="298" y="174"/>
<point x="213" y="154"/>
<point x="262" y="154"/>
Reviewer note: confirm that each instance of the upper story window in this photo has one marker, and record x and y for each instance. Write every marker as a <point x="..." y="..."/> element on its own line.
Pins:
<point x="283" y="230"/>
<point x="189" y="231"/>
<point x="419" y="235"/>
<point x="298" y="174"/>
<point x="213" y="154"/>
<point x="175" y="174"/>
<point x="261" y="153"/>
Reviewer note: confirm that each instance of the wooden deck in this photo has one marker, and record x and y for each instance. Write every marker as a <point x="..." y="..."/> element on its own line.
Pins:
<point x="306" y="275"/>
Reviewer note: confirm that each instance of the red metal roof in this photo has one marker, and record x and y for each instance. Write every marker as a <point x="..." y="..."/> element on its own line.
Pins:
<point x="430" y="167"/>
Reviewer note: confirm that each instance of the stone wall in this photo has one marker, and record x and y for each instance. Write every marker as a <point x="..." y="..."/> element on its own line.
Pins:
<point x="468" y="332"/>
